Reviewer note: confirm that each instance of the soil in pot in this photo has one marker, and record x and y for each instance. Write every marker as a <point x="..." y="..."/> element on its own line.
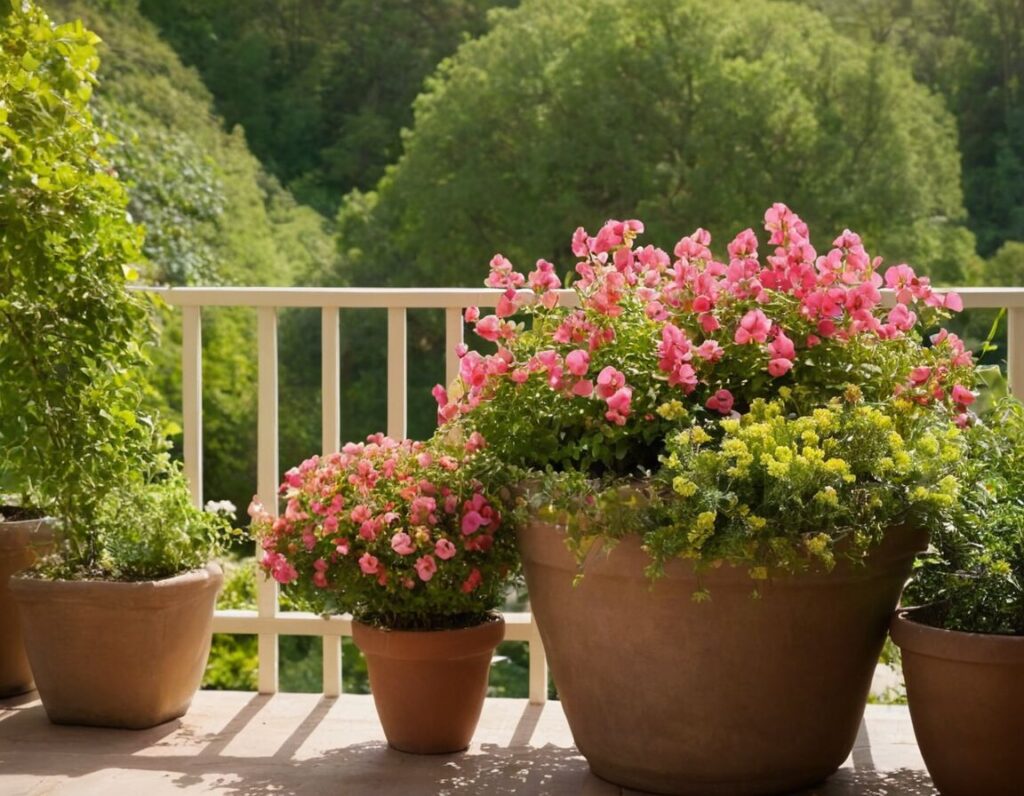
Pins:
<point x="22" y="541"/>
<point x="429" y="686"/>
<point x="116" y="654"/>
<point x="734" y="695"/>
<point x="966" y="698"/>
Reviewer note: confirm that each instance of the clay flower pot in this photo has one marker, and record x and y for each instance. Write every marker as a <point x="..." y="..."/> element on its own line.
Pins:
<point x="21" y="542"/>
<point x="966" y="697"/>
<point x="117" y="654"/>
<point x="734" y="695"/>
<point x="429" y="686"/>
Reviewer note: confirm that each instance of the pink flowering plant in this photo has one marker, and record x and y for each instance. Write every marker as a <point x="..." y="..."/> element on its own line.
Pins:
<point x="398" y="533"/>
<point x="600" y="383"/>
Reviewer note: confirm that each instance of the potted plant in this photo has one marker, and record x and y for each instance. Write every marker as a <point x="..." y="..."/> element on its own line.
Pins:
<point x="100" y="616"/>
<point x="24" y="535"/>
<point x="403" y="536"/>
<point x="120" y="638"/>
<point x="696" y="430"/>
<point x="962" y="647"/>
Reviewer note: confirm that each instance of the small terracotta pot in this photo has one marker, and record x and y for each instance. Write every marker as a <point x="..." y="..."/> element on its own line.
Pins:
<point x="21" y="543"/>
<point x="735" y="695"/>
<point x="966" y="697"/>
<point x="117" y="654"/>
<point x="429" y="686"/>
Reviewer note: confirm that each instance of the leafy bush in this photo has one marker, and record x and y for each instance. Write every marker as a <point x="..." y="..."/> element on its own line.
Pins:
<point x="71" y="335"/>
<point x="973" y="576"/>
<point x="75" y="441"/>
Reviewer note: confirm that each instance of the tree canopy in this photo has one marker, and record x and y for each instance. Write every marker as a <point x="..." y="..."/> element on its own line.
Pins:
<point x="322" y="87"/>
<point x="681" y="113"/>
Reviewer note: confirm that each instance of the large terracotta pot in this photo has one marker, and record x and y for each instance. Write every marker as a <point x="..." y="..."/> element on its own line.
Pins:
<point x="116" y="654"/>
<point x="966" y="697"/>
<point x="735" y="695"/>
<point x="429" y="686"/>
<point x="21" y="543"/>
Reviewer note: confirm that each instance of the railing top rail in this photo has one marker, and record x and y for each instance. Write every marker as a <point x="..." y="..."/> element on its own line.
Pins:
<point x="440" y="298"/>
<point x="343" y="297"/>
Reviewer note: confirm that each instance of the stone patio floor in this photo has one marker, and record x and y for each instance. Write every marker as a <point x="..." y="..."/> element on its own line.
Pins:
<point x="242" y="743"/>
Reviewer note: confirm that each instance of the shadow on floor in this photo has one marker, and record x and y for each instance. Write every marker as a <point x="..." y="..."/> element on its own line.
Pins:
<point x="124" y="761"/>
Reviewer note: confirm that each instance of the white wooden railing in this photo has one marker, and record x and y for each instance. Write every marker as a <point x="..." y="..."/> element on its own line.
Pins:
<point x="267" y="622"/>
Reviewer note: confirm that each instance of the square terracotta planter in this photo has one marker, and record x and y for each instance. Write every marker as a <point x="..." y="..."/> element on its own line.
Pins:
<point x="115" y="654"/>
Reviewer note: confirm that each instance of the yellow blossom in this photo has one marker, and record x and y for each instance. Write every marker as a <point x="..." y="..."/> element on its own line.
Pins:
<point x="673" y="410"/>
<point x="683" y="486"/>
<point x="699" y="436"/>
<point x="703" y="528"/>
<point x="827" y="496"/>
<point x="729" y="425"/>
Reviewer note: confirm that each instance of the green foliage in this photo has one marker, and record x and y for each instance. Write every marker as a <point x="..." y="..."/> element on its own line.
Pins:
<point x="776" y="489"/>
<point x="212" y="216"/>
<point x="233" y="658"/>
<point x="1006" y="266"/>
<point x="323" y="88"/>
<point x="71" y="335"/>
<point x="574" y="112"/>
<point x="972" y="53"/>
<point x="973" y="577"/>
<point x="150" y="530"/>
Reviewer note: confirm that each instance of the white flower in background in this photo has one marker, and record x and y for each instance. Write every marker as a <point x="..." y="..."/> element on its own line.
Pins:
<point x="224" y="508"/>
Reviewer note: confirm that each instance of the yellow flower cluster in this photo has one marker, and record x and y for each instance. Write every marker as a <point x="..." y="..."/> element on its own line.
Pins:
<point x="775" y="489"/>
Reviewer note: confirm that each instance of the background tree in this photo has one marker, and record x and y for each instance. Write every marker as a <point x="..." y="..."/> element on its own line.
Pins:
<point x="972" y="53"/>
<point x="322" y="87"/>
<point x="677" y="112"/>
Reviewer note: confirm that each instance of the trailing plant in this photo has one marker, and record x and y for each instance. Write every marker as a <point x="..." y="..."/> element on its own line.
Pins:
<point x="972" y="578"/>
<point x="399" y="533"/>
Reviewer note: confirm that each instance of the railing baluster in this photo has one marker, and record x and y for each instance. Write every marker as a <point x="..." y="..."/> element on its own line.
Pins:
<point x="453" y="331"/>
<point x="330" y="380"/>
<point x="538" y="666"/>
<point x="267" y="480"/>
<point x="330" y="392"/>
<point x="1015" y="351"/>
<point x="192" y="399"/>
<point x="397" y="382"/>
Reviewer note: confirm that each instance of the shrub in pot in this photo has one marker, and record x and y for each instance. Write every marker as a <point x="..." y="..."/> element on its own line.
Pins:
<point x="695" y="430"/>
<point x="120" y="638"/>
<point x="403" y="536"/>
<point x="74" y="440"/>
<point x="962" y="646"/>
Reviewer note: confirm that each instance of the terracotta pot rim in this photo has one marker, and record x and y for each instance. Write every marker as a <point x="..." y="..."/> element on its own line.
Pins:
<point x="27" y="589"/>
<point x="461" y="642"/>
<point x="15" y="534"/>
<point x="491" y="619"/>
<point x="955" y="645"/>
<point x="899" y="544"/>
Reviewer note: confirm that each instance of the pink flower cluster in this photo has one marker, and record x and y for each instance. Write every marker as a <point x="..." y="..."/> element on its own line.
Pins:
<point x="713" y="324"/>
<point x="395" y="514"/>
